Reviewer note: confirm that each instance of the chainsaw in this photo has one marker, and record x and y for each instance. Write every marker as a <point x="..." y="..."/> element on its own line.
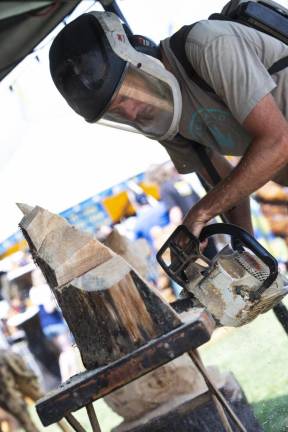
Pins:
<point x="236" y="285"/>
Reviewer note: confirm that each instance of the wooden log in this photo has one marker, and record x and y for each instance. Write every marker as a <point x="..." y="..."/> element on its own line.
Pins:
<point x="163" y="387"/>
<point x="165" y="384"/>
<point x="195" y="414"/>
<point x="134" y="252"/>
<point x="109" y="308"/>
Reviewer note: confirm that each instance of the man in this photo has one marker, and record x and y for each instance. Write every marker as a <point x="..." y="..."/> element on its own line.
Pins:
<point x="245" y="116"/>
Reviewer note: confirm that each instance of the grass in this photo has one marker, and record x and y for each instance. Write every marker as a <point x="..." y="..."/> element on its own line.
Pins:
<point x="257" y="354"/>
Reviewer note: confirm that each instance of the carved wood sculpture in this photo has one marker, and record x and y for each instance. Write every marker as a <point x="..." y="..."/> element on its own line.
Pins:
<point x="108" y="307"/>
<point x="17" y="382"/>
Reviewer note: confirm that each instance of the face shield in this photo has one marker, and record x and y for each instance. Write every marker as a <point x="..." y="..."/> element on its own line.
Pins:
<point x="148" y="97"/>
<point x="102" y="76"/>
<point x="143" y="102"/>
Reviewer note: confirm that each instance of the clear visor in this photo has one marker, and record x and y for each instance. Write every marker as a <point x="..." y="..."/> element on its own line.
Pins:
<point x="143" y="102"/>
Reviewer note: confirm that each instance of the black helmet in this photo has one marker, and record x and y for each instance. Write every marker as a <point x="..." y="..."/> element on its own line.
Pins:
<point x="84" y="68"/>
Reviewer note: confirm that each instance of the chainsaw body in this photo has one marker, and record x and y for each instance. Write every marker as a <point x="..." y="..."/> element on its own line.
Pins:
<point x="238" y="284"/>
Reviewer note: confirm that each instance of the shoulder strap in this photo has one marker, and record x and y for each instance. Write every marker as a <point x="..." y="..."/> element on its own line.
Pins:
<point x="278" y="65"/>
<point x="177" y="44"/>
<point x="203" y="157"/>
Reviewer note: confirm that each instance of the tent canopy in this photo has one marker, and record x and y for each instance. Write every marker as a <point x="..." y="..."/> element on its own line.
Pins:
<point x="23" y="25"/>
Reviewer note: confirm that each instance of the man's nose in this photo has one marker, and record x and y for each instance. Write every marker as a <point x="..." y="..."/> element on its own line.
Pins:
<point x="130" y="110"/>
<point x="131" y="115"/>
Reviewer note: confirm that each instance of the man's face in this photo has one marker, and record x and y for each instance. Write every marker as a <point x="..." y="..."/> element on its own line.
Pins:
<point x="131" y="109"/>
<point x="143" y="102"/>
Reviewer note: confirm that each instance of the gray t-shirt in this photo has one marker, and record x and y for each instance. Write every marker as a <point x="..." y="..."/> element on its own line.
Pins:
<point x="233" y="59"/>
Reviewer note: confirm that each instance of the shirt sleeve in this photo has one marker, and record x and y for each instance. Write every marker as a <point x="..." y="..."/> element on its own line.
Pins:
<point x="231" y="66"/>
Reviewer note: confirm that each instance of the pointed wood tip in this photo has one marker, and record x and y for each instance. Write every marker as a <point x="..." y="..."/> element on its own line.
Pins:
<point x="25" y="208"/>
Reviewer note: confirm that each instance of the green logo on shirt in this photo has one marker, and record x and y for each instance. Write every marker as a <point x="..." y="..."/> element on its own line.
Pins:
<point x="219" y="130"/>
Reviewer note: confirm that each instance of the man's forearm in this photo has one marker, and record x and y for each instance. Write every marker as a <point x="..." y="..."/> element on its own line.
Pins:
<point x="241" y="215"/>
<point x="260" y="163"/>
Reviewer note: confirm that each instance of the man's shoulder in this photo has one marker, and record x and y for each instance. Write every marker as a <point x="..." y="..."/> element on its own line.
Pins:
<point x="206" y="31"/>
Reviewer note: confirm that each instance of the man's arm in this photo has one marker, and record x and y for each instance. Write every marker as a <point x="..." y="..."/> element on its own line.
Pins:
<point x="240" y="214"/>
<point x="266" y="155"/>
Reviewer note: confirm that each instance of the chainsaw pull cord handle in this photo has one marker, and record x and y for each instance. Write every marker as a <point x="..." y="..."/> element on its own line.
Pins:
<point x="239" y="234"/>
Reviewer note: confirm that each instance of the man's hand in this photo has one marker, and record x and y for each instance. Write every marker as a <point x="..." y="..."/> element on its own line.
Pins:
<point x="194" y="221"/>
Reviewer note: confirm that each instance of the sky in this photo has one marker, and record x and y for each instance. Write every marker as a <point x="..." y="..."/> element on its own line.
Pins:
<point x="49" y="156"/>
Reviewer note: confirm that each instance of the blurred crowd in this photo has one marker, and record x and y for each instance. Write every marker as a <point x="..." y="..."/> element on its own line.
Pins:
<point x="31" y="325"/>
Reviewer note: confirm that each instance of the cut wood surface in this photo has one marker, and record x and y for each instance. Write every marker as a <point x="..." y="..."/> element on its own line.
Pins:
<point x="109" y="308"/>
<point x="134" y="252"/>
<point x="61" y="251"/>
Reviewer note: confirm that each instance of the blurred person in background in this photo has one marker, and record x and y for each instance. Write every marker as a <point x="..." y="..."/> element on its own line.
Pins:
<point x="53" y="325"/>
<point x="175" y="192"/>
<point x="150" y="213"/>
<point x="178" y="197"/>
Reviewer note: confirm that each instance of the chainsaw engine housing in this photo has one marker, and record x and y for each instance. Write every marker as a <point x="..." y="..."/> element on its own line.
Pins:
<point x="224" y="286"/>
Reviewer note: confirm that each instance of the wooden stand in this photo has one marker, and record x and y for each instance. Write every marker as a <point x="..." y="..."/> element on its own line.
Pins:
<point x="89" y="386"/>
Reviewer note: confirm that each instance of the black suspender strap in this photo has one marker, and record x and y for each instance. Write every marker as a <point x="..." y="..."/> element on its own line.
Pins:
<point x="278" y="65"/>
<point x="177" y="44"/>
<point x="204" y="159"/>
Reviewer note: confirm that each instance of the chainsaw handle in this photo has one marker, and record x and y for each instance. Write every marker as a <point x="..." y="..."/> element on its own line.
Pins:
<point x="251" y="243"/>
<point x="180" y="245"/>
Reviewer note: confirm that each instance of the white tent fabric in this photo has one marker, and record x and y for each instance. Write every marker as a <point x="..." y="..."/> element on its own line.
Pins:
<point x="56" y="169"/>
